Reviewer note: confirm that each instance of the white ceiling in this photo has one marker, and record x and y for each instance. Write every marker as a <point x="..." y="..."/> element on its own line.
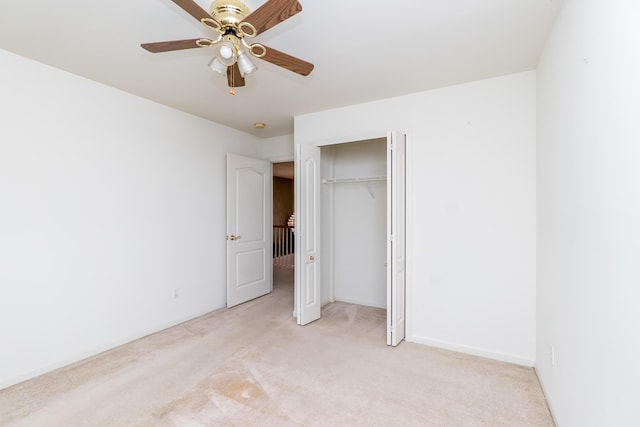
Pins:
<point x="362" y="51"/>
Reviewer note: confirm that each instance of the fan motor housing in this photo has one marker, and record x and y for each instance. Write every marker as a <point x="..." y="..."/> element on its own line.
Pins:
<point x="229" y="12"/>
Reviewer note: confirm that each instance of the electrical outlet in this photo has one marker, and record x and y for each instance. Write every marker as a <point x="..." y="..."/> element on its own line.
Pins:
<point x="553" y="355"/>
<point x="175" y="293"/>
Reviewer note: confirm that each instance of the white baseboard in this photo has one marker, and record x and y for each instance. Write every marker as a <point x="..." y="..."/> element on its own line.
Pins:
<point x="360" y="302"/>
<point x="474" y="351"/>
<point x="8" y="382"/>
<point x="546" y="396"/>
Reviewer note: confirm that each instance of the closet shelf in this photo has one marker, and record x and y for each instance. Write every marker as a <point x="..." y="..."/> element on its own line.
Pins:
<point x="355" y="179"/>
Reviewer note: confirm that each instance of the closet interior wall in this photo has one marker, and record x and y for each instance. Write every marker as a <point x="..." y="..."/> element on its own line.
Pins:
<point x="353" y="224"/>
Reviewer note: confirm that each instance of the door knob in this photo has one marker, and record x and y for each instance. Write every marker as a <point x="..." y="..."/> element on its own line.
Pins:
<point x="312" y="258"/>
<point x="233" y="237"/>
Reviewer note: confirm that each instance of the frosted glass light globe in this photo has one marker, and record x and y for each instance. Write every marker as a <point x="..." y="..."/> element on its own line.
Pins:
<point x="226" y="52"/>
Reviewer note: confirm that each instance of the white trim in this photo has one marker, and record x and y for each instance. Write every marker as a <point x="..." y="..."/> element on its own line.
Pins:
<point x="281" y="159"/>
<point x="349" y="138"/>
<point x="546" y="396"/>
<point x="329" y="222"/>
<point x="475" y="351"/>
<point x="360" y="302"/>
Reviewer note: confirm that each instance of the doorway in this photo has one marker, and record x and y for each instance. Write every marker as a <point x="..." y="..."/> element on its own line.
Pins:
<point x="283" y="223"/>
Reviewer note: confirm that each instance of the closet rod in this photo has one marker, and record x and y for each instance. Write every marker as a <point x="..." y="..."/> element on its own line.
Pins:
<point x="355" y="179"/>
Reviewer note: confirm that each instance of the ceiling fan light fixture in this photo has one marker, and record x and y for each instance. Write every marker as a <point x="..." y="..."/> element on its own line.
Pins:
<point x="245" y="64"/>
<point x="229" y="12"/>
<point x="226" y="52"/>
<point x="233" y="21"/>
<point x="218" y="66"/>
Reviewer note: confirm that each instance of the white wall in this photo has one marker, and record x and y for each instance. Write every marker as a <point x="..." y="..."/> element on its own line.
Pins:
<point x="278" y="149"/>
<point x="108" y="203"/>
<point x="354" y="228"/>
<point x="589" y="213"/>
<point x="471" y="208"/>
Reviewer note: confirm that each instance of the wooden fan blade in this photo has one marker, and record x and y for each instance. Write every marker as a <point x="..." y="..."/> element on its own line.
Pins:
<point x="272" y="13"/>
<point x="289" y="62"/>
<point x="192" y="9"/>
<point x="234" y="78"/>
<point x="158" y="47"/>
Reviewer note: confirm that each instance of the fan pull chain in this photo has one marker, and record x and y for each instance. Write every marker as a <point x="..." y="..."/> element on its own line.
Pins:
<point x="233" y="84"/>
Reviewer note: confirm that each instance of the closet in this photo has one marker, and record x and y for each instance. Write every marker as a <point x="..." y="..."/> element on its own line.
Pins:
<point x="353" y="222"/>
<point x="350" y="231"/>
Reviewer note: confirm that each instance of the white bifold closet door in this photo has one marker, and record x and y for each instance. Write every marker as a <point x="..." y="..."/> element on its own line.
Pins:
<point x="396" y="251"/>
<point x="307" y="234"/>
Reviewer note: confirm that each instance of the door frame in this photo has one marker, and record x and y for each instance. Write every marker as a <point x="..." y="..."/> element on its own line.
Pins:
<point x="283" y="159"/>
<point x="364" y="136"/>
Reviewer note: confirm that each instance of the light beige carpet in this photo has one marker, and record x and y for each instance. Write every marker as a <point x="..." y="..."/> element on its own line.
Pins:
<point x="253" y="366"/>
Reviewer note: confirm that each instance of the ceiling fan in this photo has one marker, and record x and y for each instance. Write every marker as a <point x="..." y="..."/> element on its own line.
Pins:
<point x="234" y="23"/>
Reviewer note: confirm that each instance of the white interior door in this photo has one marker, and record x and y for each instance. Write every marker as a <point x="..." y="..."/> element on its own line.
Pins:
<point x="396" y="148"/>
<point x="249" y="231"/>
<point x="307" y="234"/>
